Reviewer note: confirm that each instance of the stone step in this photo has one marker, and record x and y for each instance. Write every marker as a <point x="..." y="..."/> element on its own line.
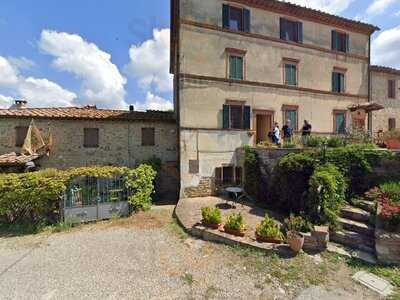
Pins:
<point x="366" y="205"/>
<point x="353" y="240"/>
<point x="359" y="227"/>
<point x="355" y="213"/>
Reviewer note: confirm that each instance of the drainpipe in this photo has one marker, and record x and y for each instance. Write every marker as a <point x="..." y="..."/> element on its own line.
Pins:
<point x="369" y="86"/>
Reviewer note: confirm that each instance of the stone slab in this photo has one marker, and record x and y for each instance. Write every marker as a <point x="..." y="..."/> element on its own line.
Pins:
<point x="375" y="283"/>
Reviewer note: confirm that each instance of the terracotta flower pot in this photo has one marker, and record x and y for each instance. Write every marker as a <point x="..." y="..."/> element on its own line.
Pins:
<point x="262" y="239"/>
<point x="234" y="232"/>
<point x="212" y="226"/>
<point x="295" y="241"/>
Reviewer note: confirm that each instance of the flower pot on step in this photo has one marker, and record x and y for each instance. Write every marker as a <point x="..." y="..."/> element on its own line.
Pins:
<point x="295" y="241"/>
<point x="392" y="144"/>
<point x="234" y="232"/>
<point x="212" y="226"/>
<point x="262" y="239"/>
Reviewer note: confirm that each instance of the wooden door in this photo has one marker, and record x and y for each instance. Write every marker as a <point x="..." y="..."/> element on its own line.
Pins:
<point x="263" y="127"/>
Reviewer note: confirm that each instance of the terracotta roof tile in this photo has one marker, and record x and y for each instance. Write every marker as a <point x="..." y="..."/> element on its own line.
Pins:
<point x="383" y="69"/>
<point x="13" y="159"/>
<point x="86" y="113"/>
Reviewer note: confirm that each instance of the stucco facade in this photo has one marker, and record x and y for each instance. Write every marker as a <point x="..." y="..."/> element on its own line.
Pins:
<point x="200" y="61"/>
<point x="380" y="94"/>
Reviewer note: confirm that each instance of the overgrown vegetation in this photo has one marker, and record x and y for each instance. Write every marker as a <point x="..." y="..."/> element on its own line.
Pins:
<point x="298" y="224"/>
<point x="33" y="198"/>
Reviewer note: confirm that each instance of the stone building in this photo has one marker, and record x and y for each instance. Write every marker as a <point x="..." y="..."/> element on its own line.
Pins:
<point x="241" y="65"/>
<point x="385" y="90"/>
<point x="89" y="136"/>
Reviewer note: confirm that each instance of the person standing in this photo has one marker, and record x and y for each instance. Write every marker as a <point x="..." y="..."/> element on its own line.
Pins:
<point x="276" y="134"/>
<point x="287" y="131"/>
<point x="306" y="131"/>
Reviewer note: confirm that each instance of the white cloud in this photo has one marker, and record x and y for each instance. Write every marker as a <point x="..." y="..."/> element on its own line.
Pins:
<point x="103" y="84"/>
<point x="8" y="74"/>
<point x="21" y="63"/>
<point x="330" y="6"/>
<point x="385" y="48"/>
<point x="154" y="102"/>
<point x="45" y="93"/>
<point x="397" y="14"/>
<point x="150" y="62"/>
<point x="378" y="6"/>
<point x="38" y="92"/>
<point x="5" y="102"/>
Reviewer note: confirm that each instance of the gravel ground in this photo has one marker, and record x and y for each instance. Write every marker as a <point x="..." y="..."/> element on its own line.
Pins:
<point x="144" y="257"/>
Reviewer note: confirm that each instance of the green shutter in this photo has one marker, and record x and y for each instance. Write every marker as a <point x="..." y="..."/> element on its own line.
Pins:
<point x="334" y="40"/>
<point x="341" y="83"/>
<point x="246" y="17"/>
<point x="232" y="67"/>
<point x="246" y="117"/>
<point x="225" y="116"/>
<point x="340" y="123"/>
<point x="290" y="74"/>
<point x="236" y="67"/>
<point x="239" y="68"/>
<point x="335" y="84"/>
<point x="292" y="116"/>
<point x="225" y="16"/>
<point x="300" y="32"/>
<point x="347" y="43"/>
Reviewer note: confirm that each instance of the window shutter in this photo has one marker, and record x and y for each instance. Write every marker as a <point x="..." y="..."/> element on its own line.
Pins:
<point x="246" y="17"/>
<point x="283" y="28"/>
<point x="392" y="89"/>
<point x="225" y="116"/>
<point x="334" y="82"/>
<point x="341" y="78"/>
<point x="347" y="43"/>
<point x="334" y="40"/>
<point x="239" y="68"/>
<point x="232" y="67"/>
<point x="225" y="16"/>
<point x="300" y="32"/>
<point x="246" y="117"/>
<point x="392" y="124"/>
<point x="238" y="176"/>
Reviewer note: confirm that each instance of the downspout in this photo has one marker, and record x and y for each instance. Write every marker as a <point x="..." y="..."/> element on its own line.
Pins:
<point x="369" y="87"/>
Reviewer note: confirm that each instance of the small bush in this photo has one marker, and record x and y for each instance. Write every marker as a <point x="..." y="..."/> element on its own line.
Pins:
<point x="298" y="224"/>
<point x="336" y="142"/>
<point x="211" y="215"/>
<point x="140" y="181"/>
<point x="269" y="229"/>
<point x="235" y="222"/>
<point x="315" y="141"/>
<point x="326" y="195"/>
<point x="391" y="190"/>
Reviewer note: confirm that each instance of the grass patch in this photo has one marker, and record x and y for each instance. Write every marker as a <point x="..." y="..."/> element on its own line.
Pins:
<point x="176" y="229"/>
<point x="188" y="278"/>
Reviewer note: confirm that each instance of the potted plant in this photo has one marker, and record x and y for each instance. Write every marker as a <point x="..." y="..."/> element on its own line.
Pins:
<point x="392" y="139"/>
<point x="211" y="217"/>
<point x="268" y="231"/>
<point x="295" y="226"/>
<point x="235" y="225"/>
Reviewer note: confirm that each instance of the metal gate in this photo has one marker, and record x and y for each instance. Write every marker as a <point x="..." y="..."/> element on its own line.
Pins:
<point x="89" y="199"/>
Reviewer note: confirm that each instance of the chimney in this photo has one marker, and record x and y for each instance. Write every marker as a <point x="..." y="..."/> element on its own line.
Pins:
<point x="131" y="108"/>
<point x="19" y="104"/>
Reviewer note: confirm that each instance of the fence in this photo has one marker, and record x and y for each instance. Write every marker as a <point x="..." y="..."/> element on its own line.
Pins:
<point x="89" y="199"/>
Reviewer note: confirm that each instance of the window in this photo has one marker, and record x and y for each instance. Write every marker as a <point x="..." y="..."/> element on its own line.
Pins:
<point x="392" y="124"/>
<point x="235" y="67"/>
<point x="290" y="73"/>
<point x="236" y="116"/>
<point x="338" y="82"/>
<point x="235" y="18"/>
<point x="91" y="137"/>
<point x="228" y="175"/>
<point x="291" y="113"/>
<point x="291" y="31"/>
<point x="392" y="89"/>
<point x="340" y="41"/>
<point x="339" y="122"/>
<point x="20" y="135"/>
<point x="148" y="137"/>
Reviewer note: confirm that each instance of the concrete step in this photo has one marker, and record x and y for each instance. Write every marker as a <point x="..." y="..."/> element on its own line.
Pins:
<point x="366" y="205"/>
<point x="359" y="227"/>
<point x="353" y="240"/>
<point x="355" y="214"/>
<point x="347" y="252"/>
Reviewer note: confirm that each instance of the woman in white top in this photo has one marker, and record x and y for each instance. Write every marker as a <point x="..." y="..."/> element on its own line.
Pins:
<point x="276" y="134"/>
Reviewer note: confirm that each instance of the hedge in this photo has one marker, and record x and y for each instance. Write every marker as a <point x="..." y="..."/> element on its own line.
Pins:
<point x="31" y="198"/>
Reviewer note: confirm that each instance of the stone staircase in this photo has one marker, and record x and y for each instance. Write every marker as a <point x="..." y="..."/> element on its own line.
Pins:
<point x="357" y="229"/>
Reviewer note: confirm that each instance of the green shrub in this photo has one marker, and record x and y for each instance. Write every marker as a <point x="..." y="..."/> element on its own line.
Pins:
<point x="391" y="190"/>
<point x="251" y="171"/>
<point x="269" y="229"/>
<point x="315" y="141"/>
<point x="297" y="224"/>
<point x="336" y="142"/>
<point x="326" y="195"/>
<point x="235" y="222"/>
<point x="290" y="181"/>
<point x="140" y="181"/>
<point x="34" y="198"/>
<point x="155" y="162"/>
<point x="211" y="215"/>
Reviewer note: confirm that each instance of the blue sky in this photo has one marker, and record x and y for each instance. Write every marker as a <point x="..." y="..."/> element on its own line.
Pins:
<point x="115" y="53"/>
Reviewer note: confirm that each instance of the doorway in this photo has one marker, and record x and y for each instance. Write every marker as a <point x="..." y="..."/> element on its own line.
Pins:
<point x="263" y="120"/>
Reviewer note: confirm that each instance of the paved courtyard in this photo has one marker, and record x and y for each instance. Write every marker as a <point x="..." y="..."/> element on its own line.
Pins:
<point x="149" y="257"/>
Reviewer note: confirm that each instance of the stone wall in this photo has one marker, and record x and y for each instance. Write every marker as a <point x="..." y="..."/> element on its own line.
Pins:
<point x="120" y="144"/>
